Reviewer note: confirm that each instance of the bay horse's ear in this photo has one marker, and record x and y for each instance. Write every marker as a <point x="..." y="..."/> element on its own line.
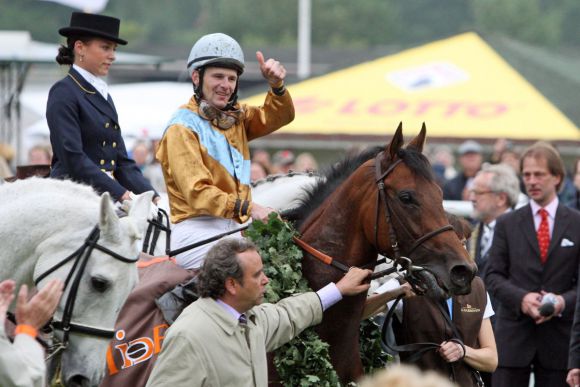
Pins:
<point x="396" y="142"/>
<point x="418" y="142"/>
<point x="108" y="219"/>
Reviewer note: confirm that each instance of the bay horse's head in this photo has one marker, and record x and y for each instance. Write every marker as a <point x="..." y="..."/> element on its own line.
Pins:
<point x="411" y="224"/>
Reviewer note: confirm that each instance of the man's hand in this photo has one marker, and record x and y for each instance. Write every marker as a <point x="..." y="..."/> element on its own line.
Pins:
<point x="573" y="378"/>
<point x="530" y="304"/>
<point x="272" y="70"/>
<point x="40" y="308"/>
<point x="6" y="297"/>
<point x="260" y="212"/>
<point x="354" y="282"/>
<point x="558" y="308"/>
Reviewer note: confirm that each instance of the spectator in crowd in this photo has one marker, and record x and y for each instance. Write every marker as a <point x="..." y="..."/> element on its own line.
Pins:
<point x="257" y="172"/>
<point x="533" y="273"/>
<point x="495" y="191"/>
<point x="85" y="133"/>
<point x="222" y="338"/>
<point x="575" y="202"/>
<point x="263" y="157"/>
<point x="470" y="160"/>
<point x="443" y="162"/>
<point x="40" y="155"/>
<point x="141" y="154"/>
<point x="500" y="146"/>
<point x="204" y="153"/>
<point x="402" y="375"/>
<point x="6" y="156"/>
<point x="22" y="362"/>
<point x="306" y="162"/>
<point x="283" y="161"/>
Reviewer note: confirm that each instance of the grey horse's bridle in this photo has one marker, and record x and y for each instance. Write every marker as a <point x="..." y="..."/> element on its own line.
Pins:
<point x="80" y="258"/>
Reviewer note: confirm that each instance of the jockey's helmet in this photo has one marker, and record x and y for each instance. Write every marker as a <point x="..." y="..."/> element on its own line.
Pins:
<point x="219" y="50"/>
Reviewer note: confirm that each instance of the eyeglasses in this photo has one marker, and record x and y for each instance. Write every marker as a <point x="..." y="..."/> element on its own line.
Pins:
<point x="479" y="193"/>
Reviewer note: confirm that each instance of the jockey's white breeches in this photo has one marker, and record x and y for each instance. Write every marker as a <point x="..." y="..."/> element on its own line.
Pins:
<point x="195" y="230"/>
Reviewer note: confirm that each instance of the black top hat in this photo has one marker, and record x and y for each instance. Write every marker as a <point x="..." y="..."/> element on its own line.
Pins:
<point x="88" y="24"/>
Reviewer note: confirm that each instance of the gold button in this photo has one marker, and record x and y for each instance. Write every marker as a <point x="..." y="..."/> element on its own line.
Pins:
<point x="104" y="143"/>
<point x="114" y="144"/>
<point x="116" y="127"/>
<point x="107" y="125"/>
<point x="103" y="169"/>
<point x="102" y="162"/>
<point x="112" y="162"/>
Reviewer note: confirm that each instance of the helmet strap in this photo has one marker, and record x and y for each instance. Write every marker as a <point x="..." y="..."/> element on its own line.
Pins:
<point x="198" y="90"/>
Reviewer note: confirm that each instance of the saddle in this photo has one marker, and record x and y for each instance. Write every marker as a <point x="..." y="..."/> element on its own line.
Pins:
<point x="141" y="325"/>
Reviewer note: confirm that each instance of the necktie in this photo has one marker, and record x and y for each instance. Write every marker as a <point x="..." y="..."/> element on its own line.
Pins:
<point x="243" y="321"/>
<point x="486" y="239"/>
<point x="543" y="235"/>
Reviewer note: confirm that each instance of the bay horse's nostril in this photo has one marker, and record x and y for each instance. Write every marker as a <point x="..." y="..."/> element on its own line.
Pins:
<point x="79" y="381"/>
<point x="462" y="275"/>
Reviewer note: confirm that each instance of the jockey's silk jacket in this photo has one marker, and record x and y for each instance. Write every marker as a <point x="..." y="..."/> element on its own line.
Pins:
<point x="207" y="169"/>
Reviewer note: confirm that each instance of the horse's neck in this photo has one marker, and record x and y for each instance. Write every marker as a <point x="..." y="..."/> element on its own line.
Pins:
<point x="337" y="228"/>
<point x="21" y="260"/>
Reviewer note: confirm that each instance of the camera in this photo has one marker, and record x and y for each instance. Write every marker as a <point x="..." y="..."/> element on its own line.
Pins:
<point x="548" y="304"/>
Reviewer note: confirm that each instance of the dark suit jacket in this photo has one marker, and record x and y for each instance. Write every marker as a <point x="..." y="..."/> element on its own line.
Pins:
<point x="514" y="269"/>
<point x="453" y="189"/>
<point x="574" y="355"/>
<point x="86" y="139"/>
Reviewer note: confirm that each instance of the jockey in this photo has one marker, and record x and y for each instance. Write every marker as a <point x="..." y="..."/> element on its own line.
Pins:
<point x="204" y="152"/>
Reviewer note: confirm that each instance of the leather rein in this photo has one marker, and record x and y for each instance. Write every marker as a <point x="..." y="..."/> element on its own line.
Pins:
<point x="398" y="260"/>
<point x="80" y="258"/>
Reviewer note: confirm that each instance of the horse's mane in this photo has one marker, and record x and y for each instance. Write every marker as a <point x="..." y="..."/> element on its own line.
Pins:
<point x="335" y="175"/>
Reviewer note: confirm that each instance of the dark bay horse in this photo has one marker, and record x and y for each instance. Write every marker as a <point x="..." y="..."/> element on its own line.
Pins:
<point x="347" y="218"/>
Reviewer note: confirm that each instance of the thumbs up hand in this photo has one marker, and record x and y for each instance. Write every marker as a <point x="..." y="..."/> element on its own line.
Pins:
<point x="272" y="70"/>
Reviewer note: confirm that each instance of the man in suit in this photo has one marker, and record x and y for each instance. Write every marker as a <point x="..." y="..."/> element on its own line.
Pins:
<point x="495" y="191"/>
<point x="573" y="378"/>
<point x="222" y="338"/>
<point x="535" y="251"/>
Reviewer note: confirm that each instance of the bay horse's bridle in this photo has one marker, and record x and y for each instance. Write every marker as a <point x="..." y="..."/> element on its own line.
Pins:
<point x="80" y="257"/>
<point x="398" y="260"/>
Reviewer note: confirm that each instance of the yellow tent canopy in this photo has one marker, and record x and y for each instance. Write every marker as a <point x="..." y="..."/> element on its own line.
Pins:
<point x="460" y="87"/>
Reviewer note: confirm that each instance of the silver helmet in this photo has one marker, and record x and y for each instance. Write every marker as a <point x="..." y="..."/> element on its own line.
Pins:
<point x="219" y="49"/>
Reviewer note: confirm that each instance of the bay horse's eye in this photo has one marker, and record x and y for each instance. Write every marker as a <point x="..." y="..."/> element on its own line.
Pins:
<point x="407" y="197"/>
<point x="100" y="284"/>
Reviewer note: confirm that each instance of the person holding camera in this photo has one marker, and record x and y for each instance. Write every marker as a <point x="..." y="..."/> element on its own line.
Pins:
<point x="533" y="273"/>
